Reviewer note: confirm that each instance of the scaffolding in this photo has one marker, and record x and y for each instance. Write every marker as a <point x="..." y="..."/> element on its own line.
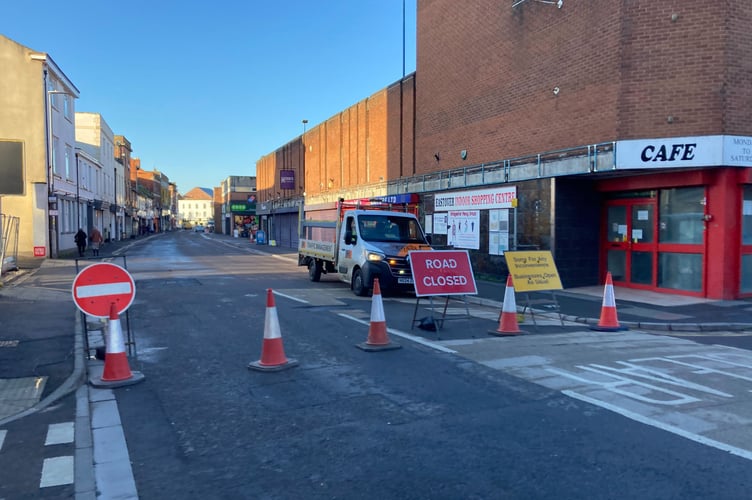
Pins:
<point x="8" y="243"/>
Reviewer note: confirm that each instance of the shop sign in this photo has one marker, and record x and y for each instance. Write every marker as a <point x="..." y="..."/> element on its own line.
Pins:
<point x="480" y="199"/>
<point x="287" y="179"/>
<point x="679" y="152"/>
<point x="242" y="206"/>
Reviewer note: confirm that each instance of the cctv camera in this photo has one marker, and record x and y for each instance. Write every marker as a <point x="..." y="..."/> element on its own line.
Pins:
<point x="556" y="90"/>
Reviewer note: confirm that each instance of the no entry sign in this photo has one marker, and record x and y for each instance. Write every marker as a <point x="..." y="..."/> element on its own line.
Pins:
<point x="442" y="272"/>
<point x="98" y="286"/>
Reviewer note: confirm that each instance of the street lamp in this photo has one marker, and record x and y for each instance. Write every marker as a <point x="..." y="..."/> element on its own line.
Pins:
<point x="52" y="206"/>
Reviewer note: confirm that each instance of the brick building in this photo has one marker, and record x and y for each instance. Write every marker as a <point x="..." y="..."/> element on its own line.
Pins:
<point x="616" y="134"/>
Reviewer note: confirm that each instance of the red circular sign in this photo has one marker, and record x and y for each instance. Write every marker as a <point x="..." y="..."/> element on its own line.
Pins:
<point x="98" y="286"/>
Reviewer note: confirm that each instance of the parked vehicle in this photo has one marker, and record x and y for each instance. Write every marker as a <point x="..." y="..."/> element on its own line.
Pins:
<point x="199" y="228"/>
<point x="360" y="241"/>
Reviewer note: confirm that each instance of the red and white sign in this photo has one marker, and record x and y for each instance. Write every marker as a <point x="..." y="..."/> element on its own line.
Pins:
<point x="442" y="272"/>
<point x="98" y="286"/>
<point x="40" y="251"/>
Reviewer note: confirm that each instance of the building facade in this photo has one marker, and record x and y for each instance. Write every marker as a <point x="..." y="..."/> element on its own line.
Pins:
<point x="617" y="135"/>
<point x="37" y="103"/>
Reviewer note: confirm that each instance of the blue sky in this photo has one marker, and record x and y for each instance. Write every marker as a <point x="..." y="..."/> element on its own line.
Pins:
<point x="204" y="89"/>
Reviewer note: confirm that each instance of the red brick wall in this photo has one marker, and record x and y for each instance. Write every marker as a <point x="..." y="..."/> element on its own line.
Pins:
<point x="359" y="145"/>
<point x="486" y="74"/>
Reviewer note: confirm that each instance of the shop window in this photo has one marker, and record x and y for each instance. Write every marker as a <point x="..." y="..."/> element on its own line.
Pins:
<point x="681" y="215"/>
<point x="681" y="271"/>
<point x="746" y="271"/>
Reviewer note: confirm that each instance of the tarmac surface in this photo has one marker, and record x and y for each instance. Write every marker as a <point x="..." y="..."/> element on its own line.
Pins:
<point x="43" y="359"/>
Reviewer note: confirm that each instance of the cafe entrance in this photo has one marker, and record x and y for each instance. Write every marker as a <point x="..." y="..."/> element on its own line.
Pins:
<point x="630" y="246"/>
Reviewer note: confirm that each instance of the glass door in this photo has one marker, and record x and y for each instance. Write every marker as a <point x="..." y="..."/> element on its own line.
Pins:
<point x="630" y="244"/>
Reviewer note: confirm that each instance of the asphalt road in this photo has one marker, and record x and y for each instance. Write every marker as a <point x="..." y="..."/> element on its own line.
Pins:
<point x="451" y="414"/>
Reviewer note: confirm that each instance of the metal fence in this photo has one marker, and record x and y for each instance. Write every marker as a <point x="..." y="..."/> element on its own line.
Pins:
<point x="8" y="243"/>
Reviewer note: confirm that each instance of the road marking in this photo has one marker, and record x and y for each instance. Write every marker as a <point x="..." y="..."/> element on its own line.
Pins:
<point x="59" y="433"/>
<point x="57" y="471"/>
<point x="290" y="297"/>
<point x="666" y="427"/>
<point x="2" y="438"/>
<point x="406" y="336"/>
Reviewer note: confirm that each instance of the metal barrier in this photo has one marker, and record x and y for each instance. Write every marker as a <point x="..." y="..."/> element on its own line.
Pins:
<point x="8" y="243"/>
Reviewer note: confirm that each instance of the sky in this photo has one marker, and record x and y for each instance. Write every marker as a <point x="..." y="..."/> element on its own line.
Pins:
<point x="203" y="90"/>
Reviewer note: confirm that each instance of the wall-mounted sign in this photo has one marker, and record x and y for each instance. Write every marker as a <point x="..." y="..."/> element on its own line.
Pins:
<point x="287" y="179"/>
<point x="697" y="151"/>
<point x="501" y="197"/>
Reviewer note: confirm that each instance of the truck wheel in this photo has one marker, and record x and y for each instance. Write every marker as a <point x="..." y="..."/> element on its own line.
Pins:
<point x="314" y="270"/>
<point x="359" y="287"/>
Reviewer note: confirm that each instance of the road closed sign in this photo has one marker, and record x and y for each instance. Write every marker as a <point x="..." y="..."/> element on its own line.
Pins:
<point x="98" y="286"/>
<point x="442" y="272"/>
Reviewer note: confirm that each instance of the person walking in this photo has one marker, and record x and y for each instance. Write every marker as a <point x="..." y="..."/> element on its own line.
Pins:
<point x="80" y="239"/>
<point x="96" y="240"/>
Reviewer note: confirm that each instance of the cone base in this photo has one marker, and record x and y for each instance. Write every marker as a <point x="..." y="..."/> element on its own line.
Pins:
<point x="377" y="347"/>
<point x="498" y="333"/>
<point x="617" y="328"/>
<point x="256" y="365"/>
<point x="135" y="378"/>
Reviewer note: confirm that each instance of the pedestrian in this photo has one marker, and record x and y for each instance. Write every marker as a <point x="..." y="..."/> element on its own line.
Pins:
<point x="96" y="241"/>
<point x="80" y="239"/>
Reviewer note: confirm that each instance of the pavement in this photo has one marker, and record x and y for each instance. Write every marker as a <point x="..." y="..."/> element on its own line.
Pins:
<point x="44" y="359"/>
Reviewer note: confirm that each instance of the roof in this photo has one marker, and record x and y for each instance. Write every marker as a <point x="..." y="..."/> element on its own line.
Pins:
<point x="198" y="193"/>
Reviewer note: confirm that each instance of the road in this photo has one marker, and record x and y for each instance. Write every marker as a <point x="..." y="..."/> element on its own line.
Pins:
<point x="452" y="414"/>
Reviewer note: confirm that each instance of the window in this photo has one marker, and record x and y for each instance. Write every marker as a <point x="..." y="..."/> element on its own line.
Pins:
<point x="67" y="106"/>
<point x="55" y="142"/>
<point x="68" y="162"/>
<point x="746" y="271"/>
<point x="681" y="215"/>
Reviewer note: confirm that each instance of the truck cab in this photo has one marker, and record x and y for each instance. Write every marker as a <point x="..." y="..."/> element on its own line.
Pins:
<point x="375" y="244"/>
<point x="360" y="242"/>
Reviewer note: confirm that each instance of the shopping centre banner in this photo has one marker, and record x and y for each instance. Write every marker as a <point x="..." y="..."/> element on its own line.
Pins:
<point x="480" y="199"/>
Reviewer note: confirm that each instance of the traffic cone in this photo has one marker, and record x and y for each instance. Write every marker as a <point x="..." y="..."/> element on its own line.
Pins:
<point x="378" y="340"/>
<point x="272" y="351"/>
<point x="608" y="321"/>
<point x="508" y="320"/>
<point x="116" y="371"/>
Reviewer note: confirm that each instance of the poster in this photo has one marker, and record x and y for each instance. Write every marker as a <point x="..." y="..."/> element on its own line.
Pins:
<point x="440" y="223"/>
<point x="498" y="231"/>
<point x="463" y="229"/>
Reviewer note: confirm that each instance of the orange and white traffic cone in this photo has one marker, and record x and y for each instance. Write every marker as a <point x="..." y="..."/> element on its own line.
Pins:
<point x="508" y="320"/>
<point x="272" y="351"/>
<point x="116" y="371"/>
<point x="378" y="339"/>
<point x="609" y="322"/>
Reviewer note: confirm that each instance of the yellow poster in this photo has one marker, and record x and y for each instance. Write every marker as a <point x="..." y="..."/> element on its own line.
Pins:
<point x="533" y="271"/>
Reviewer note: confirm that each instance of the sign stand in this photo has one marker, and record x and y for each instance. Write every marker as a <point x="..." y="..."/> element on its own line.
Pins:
<point x="439" y="322"/>
<point x="130" y="340"/>
<point x="544" y="302"/>
<point x="444" y="273"/>
<point x="535" y="271"/>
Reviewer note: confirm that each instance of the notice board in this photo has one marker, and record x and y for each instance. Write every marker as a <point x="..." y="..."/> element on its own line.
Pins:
<point x="533" y="271"/>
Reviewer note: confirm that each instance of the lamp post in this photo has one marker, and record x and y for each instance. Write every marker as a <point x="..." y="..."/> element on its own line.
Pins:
<point x="52" y="206"/>
<point x="301" y="173"/>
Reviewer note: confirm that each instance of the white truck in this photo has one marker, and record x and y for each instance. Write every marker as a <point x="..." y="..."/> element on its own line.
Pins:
<point x="360" y="241"/>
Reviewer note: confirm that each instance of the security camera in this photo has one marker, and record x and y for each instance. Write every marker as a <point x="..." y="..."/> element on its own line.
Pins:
<point x="556" y="90"/>
<point x="559" y="3"/>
